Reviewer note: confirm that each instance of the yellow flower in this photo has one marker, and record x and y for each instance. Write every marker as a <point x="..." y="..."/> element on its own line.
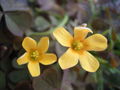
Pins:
<point x="35" y="54"/>
<point x="78" y="47"/>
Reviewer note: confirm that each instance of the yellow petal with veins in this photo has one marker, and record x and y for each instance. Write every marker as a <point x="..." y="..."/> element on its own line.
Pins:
<point x="34" y="68"/>
<point x="43" y="44"/>
<point x="48" y="59"/>
<point x="96" y="42"/>
<point x="29" y="43"/>
<point x="68" y="59"/>
<point x="23" y="59"/>
<point x="81" y="32"/>
<point x="63" y="36"/>
<point x="88" y="62"/>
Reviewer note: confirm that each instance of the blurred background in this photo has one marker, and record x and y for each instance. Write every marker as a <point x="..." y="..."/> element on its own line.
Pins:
<point x="37" y="18"/>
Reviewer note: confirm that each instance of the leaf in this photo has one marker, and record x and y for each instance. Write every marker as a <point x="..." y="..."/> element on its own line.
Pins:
<point x="17" y="43"/>
<point x="114" y="35"/>
<point x="24" y="85"/>
<point x="49" y="79"/>
<point x="22" y="19"/>
<point x="100" y="79"/>
<point x="2" y="80"/>
<point x="113" y="78"/>
<point x="69" y="78"/>
<point x="5" y="65"/>
<point x="3" y="50"/>
<point x="18" y="22"/>
<point x="19" y="75"/>
<point x="51" y="6"/>
<point x="99" y="24"/>
<point x="53" y="20"/>
<point x="114" y="60"/>
<point x="15" y="64"/>
<point x="41" y="23"/>
<point x="13" y="27"/>
<point x="1" y="15"/>
<point x="113" y="5"/>
<point x="78" y="11"/>
<point x="59" y="49"/>
<point x="17" y="17"/>
<point x="110" y="75"/>
<point x="13" y="5"/>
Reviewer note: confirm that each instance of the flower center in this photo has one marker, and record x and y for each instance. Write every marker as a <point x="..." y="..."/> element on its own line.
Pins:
<point x="34" y="55"/>
<point x="77" y="45"/>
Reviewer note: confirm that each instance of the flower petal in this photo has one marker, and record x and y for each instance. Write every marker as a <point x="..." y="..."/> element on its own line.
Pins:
<point x="43" y="44"/>
<point x="96" y="42"/>
<point x="48" y="59"/>
<point x="81" y="32"/>
<point x="88" y="62"/>
<point x="34" y="68"/>
<point x="29" y="43"/>
<point x="63" y="36"/>
<point x="23" y="59"/>
<point x="68" y="59"/>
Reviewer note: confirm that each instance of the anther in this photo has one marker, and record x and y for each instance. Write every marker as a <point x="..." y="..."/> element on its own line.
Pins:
<point x="76" y="45"/>
<point x="34" y="55"/>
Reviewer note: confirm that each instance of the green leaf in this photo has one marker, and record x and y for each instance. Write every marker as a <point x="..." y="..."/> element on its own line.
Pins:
<point x="100" y="79"/>
<point x="2" y="80"/>
<point x="5" y="65"/>
<point x="54" y="20"/>
<point x="41" y="23"/>
<point x="19" y="75"/>
<point x="15" y="64"/>
<point x="112" y="78"/>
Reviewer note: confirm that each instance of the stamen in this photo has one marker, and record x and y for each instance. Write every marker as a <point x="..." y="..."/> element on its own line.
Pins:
<point x="34" y="55"/>
<point x="77" y="45"/>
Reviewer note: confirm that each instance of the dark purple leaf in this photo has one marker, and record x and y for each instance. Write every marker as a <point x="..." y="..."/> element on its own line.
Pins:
<point x="16" y="15"/>
<point x="5" y="34"/>
<point x="24" y="85"/>
<point x="1" y="15"/>
<point x="3" y="50"/>
<point x="99" y="24"/>
<point x="80" y="11"/>
<point x="12" y="26"/>
<point x="18" y="22"/>
<point x="50" y="78"/>
<point x="50" y="5"/>
<point x="113" y="5"/>
<point x="13" y="5"/>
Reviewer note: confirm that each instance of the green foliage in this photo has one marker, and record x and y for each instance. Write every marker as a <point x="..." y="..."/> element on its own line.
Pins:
<point x="19" y="75"/>
<point x="2" y="80"/>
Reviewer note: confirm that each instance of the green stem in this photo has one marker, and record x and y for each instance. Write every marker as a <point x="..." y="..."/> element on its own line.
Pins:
<point x="106" y="32"/>
<point x="111" y="40"/>
<point x="92" y="7"/>
<point x="64" y="21"/>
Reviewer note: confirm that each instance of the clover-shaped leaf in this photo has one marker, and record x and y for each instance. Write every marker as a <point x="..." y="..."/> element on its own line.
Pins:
<point x="50" y="78"/>
<point x="16" y="16"/>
